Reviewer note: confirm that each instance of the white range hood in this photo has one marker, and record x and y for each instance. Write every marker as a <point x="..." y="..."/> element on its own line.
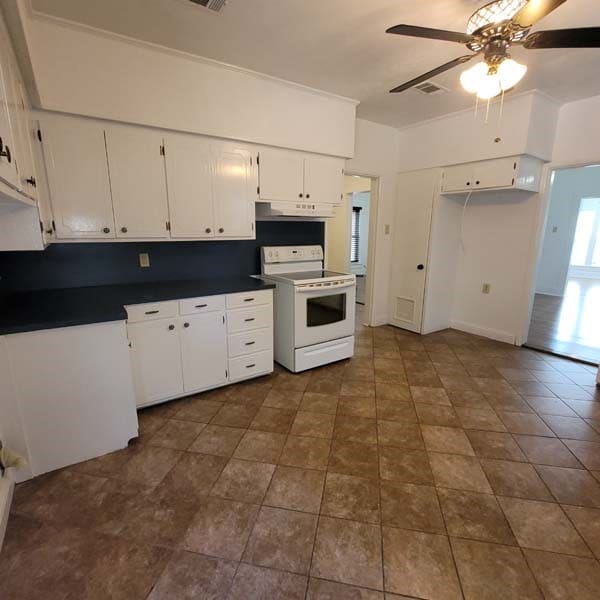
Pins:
<point x="294" y="209"/>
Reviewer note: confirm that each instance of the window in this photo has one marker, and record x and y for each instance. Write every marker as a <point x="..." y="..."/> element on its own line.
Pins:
<point x="354" y="248"/>
<point x="586" y="244"/>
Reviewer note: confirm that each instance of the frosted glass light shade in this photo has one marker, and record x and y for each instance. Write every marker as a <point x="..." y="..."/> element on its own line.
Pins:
<point x="472" y="78"/>
<point x="510" y="73"/>
<point x="488" y="82"/>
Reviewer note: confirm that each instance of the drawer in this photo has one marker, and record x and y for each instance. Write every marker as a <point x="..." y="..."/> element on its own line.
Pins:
<point x="249" y="318"/>
<point x="250" y="342"/>
<point x="244" y="367"/>
<point x="152" y="311"/>
<point x="191" y="306"/>
<point x="249" y="299"/>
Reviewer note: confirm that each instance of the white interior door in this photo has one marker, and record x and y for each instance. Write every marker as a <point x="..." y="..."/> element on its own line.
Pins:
<point x="155" y="360"/>
<point x="281" y="176"/>
<point x="234" y="191"/>
<point x="75" y="157"/>
<point x="410" y="247"/>
<point x="203" y="350"/>
<point x="137" y="177"/>
<point x="190" y="186"/>
<point x="323" y="179"/>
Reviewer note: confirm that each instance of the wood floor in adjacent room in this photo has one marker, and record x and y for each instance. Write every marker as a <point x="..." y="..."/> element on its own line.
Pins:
<point x="437" y="467"/>
<point x="569" y="324"/>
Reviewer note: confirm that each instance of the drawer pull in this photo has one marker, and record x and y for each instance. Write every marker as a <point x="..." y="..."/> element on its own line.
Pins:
<point x="250" y="343"/>
<point x="249" y="299"/>
<point x="249" y="320"/>
<point x="250" y="366"/>
<point x="201" y="305"/>
<point x="152" y="312"/>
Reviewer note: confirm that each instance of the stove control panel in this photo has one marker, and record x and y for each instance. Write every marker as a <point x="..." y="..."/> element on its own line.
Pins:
<point x="290" y="254"/>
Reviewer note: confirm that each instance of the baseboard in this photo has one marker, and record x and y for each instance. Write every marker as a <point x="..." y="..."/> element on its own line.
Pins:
<point x="493" y="334"/>
<point x="7" y="486"/>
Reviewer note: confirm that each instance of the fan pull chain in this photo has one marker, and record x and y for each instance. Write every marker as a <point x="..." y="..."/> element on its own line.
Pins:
<point x="487" y="112"/>
<point x="501" y="114"/>
<point x="476" y="107"/>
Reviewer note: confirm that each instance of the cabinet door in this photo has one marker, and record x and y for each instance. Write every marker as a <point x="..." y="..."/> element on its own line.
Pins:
<point x="323" y="179"/>
<point x="137" y="179"/>
<point x="75" y="157"/>
<point x="203" y="350"/>
<point x="457" y="178"/>
<point x="281" y="176"/>
<point x="234" y="191"/>
<point x="155" y="360"/>
<point x="28" y="180"/>
<point x="8" y="163"/>
<point x="494" y="173"/>
<point x="190" y="186"/>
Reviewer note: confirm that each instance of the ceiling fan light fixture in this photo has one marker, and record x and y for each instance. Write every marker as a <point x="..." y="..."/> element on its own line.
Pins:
<point x="471" y="78"/>
<point x="510" y="73"/>
<point x="495" y="12"/>
<point x="488" y="81"/>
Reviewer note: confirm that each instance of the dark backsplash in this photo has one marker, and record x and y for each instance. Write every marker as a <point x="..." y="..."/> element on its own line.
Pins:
<point x="88" y="264"/>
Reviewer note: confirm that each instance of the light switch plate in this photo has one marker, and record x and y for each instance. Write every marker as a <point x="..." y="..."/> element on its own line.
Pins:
<point x="144" y="259"/>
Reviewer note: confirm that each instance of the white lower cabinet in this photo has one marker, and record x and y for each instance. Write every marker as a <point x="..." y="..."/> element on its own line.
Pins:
<point x="203" y="351"/>
<point x="187" y="346"/>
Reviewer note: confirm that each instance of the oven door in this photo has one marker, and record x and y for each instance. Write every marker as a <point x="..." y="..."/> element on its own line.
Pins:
<point x="323" y="314"/>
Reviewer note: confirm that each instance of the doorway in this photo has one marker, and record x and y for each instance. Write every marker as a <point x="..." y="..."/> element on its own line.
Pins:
<point x="348" y="236"/>
<point x="565" y="316"/>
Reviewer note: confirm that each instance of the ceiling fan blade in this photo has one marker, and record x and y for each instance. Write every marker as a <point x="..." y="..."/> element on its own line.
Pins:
<point x="585" y="37"/>
<point x="535" y="10"/>
<point x="431" y="34"/>
<point x="430" y="74"/>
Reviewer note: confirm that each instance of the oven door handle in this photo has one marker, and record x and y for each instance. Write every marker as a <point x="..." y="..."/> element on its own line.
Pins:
<point x="321" y="290"/>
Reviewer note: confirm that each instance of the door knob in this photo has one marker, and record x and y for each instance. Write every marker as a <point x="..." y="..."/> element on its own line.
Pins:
<point x="123" y="229"/>
<point x="420" y="267"/>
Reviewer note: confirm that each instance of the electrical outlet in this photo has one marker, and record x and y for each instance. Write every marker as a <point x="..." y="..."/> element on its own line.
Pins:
<point x="486" y="288"/>
<point x="144" y="259"/>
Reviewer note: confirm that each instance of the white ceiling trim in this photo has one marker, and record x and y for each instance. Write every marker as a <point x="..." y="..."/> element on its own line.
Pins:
<point x="34" y="14"/>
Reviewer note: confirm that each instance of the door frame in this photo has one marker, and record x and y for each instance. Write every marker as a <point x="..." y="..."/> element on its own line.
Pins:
<point x="371" y="249"/>
<point x="538" y="240"/>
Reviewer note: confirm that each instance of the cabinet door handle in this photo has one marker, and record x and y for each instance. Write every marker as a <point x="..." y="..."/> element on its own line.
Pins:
<point x="171" y="327"/>
<point x="300" y="195"/>
<point x="477" y="182"/>
<point x="106" y="230"/>
<point x="250" y="343"/>
<point x="123" y="229"/>
<point x="249" y="299"/>
<point x="308" y="195"/>
<point x="249" y="320"/>
<point x="201" y="305"/>
<point x="31" y="181"/>
<point x="250" y="366"/>
<point x="221" y="230"/>
<point x="186" y="325"/>
<point x="6" y="153"/>
<point x="208" y="230"/>
<point x="420" y="267"/>
<point x="152" y="312"/>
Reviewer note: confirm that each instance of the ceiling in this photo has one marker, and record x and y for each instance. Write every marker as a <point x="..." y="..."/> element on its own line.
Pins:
<point x="341" y="46"/>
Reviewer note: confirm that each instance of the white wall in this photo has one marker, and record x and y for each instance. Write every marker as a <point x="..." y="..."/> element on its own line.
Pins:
<point x="568" y="188"/>
<point x="527" y="127"/>
<point x="376" y="155"/>
<point x="337" y="237"/>
<point x="88" y="72"/>
<point x="578" y="133"/>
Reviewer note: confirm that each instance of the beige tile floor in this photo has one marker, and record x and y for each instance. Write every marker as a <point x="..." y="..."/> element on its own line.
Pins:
<point x="438" y="467"/>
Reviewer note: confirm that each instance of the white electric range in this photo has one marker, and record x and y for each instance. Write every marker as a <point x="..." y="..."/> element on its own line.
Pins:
<point x="314" y="309"/>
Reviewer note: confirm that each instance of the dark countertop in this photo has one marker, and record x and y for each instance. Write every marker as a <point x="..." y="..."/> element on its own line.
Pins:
<point x="48" y="309"/>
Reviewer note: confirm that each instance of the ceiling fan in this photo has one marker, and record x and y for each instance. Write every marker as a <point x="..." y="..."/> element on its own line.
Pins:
<point x="491" y="31"/>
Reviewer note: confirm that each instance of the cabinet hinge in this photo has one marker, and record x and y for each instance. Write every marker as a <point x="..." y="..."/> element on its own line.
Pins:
<point x="515" y="167"/>
<point x="41" y="227"/>
<point x="258" y="159"/>
<point x="252" y="226"/>
<point x="226" y="373"/>
<point x="223" y="319"/>
<point x="258" y="189"/>
<point x="168" y="225"/>
<point x="39" y="134"/>
<point x="250" y="161"/>
<point x="53" y="225"/>
<point x="162" y="150"/>
<point x="513" y="181"/>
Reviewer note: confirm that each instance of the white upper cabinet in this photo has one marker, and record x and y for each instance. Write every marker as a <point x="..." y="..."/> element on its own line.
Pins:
<point x="203" y="350"/>
<point x="513" y="172"/>
<point x="28" y="179"/>
<point x="137" y="177"/>
<point x="190" y="186"/>
<point x="294" y="177"/>
<point x="323" y="179"/>
<point x="235" y="186"/>
<point x="8" y="163"/>
<point x="281" y="176"/>
<point x="75" y="157"/>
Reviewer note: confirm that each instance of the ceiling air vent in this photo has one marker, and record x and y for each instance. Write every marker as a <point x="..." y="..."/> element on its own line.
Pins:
<point x="430" y="88"/>
<point x="215" y="5"/>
